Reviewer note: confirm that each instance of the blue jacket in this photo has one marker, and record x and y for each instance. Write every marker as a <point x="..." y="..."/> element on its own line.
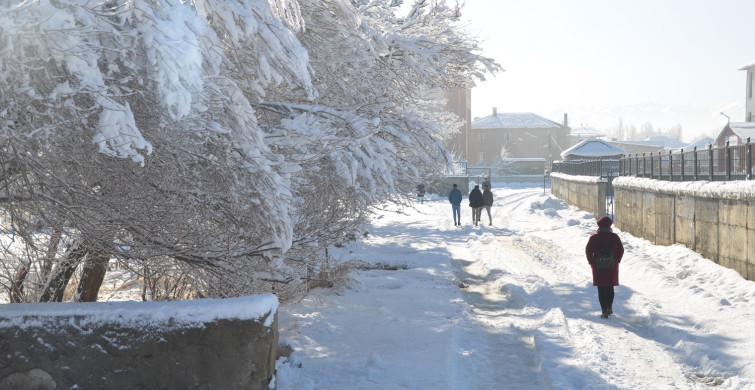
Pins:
<point x="454" y="196"/>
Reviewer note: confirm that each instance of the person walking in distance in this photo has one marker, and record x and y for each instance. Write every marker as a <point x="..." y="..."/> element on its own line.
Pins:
<point x="455" y="198"/>
<point x="604" y="251"/>
<point x="475" y="202"/>
<point x="487" y="201"/>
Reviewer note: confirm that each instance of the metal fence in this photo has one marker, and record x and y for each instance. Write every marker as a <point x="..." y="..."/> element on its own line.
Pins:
<point x="603" y="168"/>
<point x="731" y="162"/>
<point x="599" y="167"/>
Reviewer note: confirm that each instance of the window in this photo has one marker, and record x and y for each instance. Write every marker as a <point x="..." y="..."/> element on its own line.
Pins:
<point x="749" y="84"/>
<point x="749" y="116"/>
<point x="481" y="157"/>
<point x="481" y="137"/>
<point x="506" y="138"/>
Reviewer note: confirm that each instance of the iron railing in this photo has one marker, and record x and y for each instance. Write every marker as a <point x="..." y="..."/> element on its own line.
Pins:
<point x="598" y="167"/>
<point x="604" y="168"/>
<point x="731" y="162"/>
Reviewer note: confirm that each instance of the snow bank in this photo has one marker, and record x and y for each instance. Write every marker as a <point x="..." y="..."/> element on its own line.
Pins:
<point x="131" y="314"/>
<point x="740" y="189"/>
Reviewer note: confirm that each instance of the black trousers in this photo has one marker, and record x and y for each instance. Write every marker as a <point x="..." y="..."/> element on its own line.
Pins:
<point x="605" y="296"/>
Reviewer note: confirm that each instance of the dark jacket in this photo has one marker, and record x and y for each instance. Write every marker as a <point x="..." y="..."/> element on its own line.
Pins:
<point x="487" y="197"/>
<point x="454" y="196"/>
<point x="475" y="197"/>
<point x="604" y="237"/>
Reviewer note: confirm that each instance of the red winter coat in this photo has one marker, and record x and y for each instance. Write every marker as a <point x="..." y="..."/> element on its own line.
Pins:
<point x="604" y="277"/>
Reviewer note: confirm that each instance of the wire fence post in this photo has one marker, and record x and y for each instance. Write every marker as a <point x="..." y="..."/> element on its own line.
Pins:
<point x="694" y="157"/>
<point x="728" y="162"/>
<point x="748" y="159"/>
<point x="651" y="166"/>
<point x="681" y="155"/>
<point x="710" y="162"/>
<point x="670" y="166"/>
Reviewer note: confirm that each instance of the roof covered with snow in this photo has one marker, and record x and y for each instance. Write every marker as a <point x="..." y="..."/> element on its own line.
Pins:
<point x="743" y="129"/>
<point x="666" y="142"/>
<point x="747" y="65"/>
<point x="592" y="148"/>
<point x="700" y="144"/>
<point x="518" y="120"/>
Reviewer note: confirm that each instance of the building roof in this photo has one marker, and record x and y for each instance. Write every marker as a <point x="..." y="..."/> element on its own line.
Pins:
<point x="700" y="144"/>
<point x="592" y="148"/>
<point x="743" y="129"/>
<point x="520" y="120"/>
<point x="747" y="66"/>
<point x="659" y="140"/>
<point x="586" y="132"/>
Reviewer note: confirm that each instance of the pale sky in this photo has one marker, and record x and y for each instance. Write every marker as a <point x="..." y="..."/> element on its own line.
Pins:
<point x="583" y="55"/>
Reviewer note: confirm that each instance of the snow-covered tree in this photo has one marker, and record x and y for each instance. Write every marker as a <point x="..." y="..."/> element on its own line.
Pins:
<point x="218" y="142"/>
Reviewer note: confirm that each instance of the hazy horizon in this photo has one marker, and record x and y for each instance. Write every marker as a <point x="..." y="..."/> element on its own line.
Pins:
<point x="645" y="61"/>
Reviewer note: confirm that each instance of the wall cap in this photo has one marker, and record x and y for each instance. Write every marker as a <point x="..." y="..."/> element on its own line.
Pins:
<point x="732" y="190"/>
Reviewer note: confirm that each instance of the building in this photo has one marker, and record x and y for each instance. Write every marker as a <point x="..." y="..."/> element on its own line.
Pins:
<point x="459" y="101"/>
<point x="515" y="135"/>
<point x="592" y="149"/>
<point x="749" y="102"/>
<point x="701" y="144"/>
<point x="583" y="132"/>
<point x="638" y="147"/>
<point x="735" y="133"/>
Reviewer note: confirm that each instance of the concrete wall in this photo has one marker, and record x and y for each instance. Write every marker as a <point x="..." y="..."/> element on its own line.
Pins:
<point x="717" y="223"/>
<point x="587" y="193"/>
<point x="203" y="344"/>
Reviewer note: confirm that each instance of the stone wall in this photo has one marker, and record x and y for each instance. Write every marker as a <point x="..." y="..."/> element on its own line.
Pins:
<point x="716" y="220"/>
<point x="586" y="192"/>
<point x="202" y="344"/>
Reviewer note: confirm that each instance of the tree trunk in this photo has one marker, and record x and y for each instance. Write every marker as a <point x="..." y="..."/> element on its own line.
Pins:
<point x="91" y="279"/>
<point x="16" y="293"/>
<point x="52" y="250"/>
<point x="58" y="280"/>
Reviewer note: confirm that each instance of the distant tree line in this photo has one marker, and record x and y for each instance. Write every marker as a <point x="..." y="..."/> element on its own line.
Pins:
<point x="629" y="132"/>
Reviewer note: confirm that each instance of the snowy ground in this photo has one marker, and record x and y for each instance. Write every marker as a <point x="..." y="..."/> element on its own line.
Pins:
<point x="512" y="306"/>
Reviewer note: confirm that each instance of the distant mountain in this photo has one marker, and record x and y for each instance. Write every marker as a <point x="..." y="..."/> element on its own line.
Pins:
<point x="696" y="122"/>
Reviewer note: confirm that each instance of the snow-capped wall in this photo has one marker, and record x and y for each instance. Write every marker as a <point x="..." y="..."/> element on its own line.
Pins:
<point x="586" y="192"/>
<point x="206" y="343"/>
<point x="704" y="216"/>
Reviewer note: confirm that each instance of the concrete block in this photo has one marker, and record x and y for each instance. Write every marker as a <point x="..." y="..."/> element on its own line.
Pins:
<point x="733" y="212"/>
<point x="648" y="214"/>
<point x="706" y="239"/>
<point x="140" y="349"/>
<point x="664" y="220"/>
<point x="706" y="210"/>
<point x="739" y="266"/>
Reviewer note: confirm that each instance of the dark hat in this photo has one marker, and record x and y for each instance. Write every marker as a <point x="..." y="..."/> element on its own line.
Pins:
<point x="604" y="222"/>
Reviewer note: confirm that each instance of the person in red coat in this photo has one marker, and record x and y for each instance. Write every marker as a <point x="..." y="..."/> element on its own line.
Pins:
<point x="604" y="251"/>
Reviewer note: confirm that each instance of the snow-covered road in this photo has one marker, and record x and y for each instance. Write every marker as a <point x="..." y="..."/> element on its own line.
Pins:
<point x="512" y="306"/>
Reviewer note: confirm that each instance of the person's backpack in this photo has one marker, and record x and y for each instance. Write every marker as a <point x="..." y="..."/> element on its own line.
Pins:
<point x="604" y="258"/>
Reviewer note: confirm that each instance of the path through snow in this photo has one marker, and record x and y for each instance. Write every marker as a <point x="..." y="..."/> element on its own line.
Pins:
<point x="512" y="306"/>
